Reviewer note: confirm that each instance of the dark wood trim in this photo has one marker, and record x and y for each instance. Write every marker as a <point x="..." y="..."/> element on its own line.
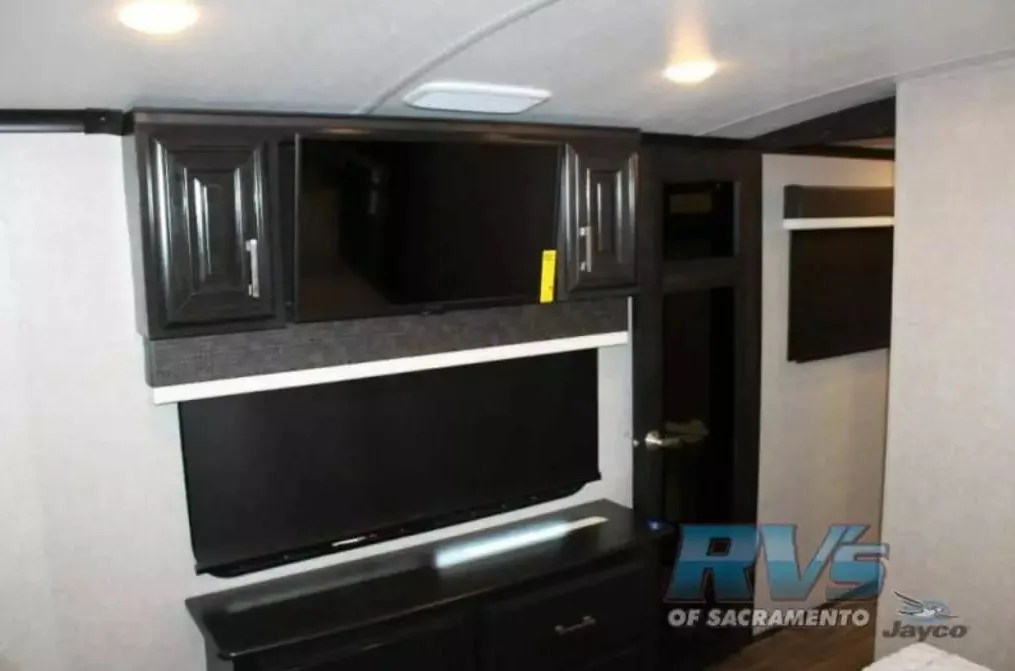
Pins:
<point x="720" y="143"/>
<point x="862" y="122"/>
<point x="693" y="141"/>
<point x="89" y="121"/>
<point x="824" y="202"/>
<point x="748" y="333"/>
<point x="832" y="151"/>
<point x="647" y="342"/>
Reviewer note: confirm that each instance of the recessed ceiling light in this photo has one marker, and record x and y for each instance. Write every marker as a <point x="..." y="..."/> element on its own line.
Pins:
<point x="691" y="72"/>
<point x="159" y="17"/>
<point x="476" y="97"/>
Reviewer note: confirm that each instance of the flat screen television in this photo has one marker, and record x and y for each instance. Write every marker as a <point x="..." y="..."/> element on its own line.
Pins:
<point x="399" y="224"/>
<point x="280" y="476"/>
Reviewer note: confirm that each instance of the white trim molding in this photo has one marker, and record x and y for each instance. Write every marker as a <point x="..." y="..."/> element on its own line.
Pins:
<point x="356" y="371"/>
<point x="815" y="224"/>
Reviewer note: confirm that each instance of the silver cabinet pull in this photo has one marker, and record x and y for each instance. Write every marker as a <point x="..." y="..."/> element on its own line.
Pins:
<point x="592" y="234"/>
<point x="587" y="621"/>
<point x="583" y="233"/>
<point x="254" y="288"/>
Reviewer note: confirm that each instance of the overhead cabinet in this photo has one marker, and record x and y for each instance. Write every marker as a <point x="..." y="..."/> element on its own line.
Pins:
<point x="206" y="229"/>
<point x="600" y="185"/>
<point x="233" y="231"/>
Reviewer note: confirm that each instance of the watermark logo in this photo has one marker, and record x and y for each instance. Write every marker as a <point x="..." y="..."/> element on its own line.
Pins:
<point x="923" y="612"/>
<point x="922" y="619"/>
<point x="727" y="553"/>
<point x="768" y="617"/>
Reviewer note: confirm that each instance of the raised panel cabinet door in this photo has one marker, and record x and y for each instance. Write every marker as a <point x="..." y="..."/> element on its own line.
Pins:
<point x="210" y="210"/>
<point x="600" y="191"/>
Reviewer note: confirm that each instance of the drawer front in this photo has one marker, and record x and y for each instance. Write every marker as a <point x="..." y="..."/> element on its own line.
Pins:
<point x="582" y="619"/>
<point x="443" y="645"/>
<point x="629" y="660"/>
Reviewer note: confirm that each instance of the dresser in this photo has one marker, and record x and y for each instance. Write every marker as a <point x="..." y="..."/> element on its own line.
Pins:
<point x="584" y="600"/>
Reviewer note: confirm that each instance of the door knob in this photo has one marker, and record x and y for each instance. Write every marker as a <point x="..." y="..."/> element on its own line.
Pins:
<point x="655" y="440"/>
<point x="676" y="435"/>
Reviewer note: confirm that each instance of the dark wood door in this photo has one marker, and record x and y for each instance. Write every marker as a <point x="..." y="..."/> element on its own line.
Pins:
<point x="599" y="201"/>
<point x="696" y="344"/>
<point x="211" y="221"/>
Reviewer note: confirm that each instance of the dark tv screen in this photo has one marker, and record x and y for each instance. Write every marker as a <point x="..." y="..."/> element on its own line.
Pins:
<point x="388" y="227"/>
<point x="279" y="476"/>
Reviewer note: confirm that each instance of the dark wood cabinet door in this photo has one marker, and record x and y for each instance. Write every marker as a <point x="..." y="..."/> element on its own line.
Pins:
<point x="210" y="220"/>
<point x="599" y="198"/>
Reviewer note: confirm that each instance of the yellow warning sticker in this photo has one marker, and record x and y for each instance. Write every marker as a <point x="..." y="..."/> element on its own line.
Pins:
<point x="549" y="276"/>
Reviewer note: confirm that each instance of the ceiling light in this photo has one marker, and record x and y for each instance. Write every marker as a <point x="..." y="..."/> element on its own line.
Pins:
<point x="159" y="17"/>
<point x="691" y="72"/>
<point x="476" y="97"/>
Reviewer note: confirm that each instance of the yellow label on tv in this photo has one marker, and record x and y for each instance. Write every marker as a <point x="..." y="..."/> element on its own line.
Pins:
<point x="549" y="276"/>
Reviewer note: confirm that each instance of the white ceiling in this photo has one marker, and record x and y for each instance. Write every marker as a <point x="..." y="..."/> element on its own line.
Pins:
<point x="782" y="61"/>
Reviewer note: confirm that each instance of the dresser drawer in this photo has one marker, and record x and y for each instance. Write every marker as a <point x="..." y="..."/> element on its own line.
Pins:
<point x="583" y="619"/>
<point x="629" y="660"/>
<point x="444" y="644"/>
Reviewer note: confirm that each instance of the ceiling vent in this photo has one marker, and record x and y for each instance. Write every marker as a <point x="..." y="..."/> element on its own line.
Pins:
<point x="476" y="97"/>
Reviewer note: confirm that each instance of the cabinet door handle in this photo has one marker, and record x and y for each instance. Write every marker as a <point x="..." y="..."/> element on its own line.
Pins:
<point x="583" y="233"/>
<point x="254" y="288"/>
<point x="587" y="621"/>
